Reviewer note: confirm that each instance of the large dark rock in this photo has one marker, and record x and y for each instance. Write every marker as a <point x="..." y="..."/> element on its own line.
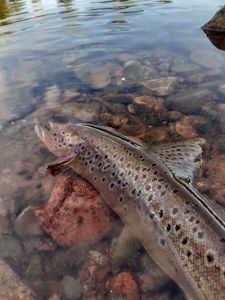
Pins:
<point x="215" y="29"/>
<point x="217" y="23"/>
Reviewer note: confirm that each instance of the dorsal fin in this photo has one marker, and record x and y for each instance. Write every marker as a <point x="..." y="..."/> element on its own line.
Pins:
<point x="182" y="158"/>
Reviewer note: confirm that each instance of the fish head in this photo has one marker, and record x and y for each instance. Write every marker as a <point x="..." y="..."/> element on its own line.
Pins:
<point x="59" y="138"/>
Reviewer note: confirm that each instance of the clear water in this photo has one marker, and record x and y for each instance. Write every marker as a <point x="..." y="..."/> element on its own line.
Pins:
<point x="48" y="49"/>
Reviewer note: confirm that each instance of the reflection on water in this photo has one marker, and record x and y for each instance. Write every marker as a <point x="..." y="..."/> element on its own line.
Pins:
<point x="143" y="67"/>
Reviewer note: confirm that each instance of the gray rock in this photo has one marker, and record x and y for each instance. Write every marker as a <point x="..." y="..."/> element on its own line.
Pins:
<point x="4" y="218"/>
<point x="221" y="115"/>
<point x="71" y="288"/>
<point x="183" y="67"/>
<point x="222" y="89"/>
<point x="10" y="247"/>
<point x="207" y="58"/>
<point x="97" y="77"/>
<point x="34" y="269"/>
<point x="38" y="243"/>
<point x="133" y="73"/>
<point x="11" y="286"/>
<point x="26" y="223"/>
<point x="85" y="112"/>
<point x="52" y="96"/>
<point x="160" y="86"/>
<point x="189" y="101"/>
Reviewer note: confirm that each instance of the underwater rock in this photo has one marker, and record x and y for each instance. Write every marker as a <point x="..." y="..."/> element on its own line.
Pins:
<point x="195" y="78"/>
<point x="124" y="57"/>
<point x="97" y="77"/>
<point x="182" y="65"/>
<point x="11" y="287"/>
<point x="217" y="23"/>
<point x="71" y="288"/>
<point x="213" y="174"/>
<point x="11" y="248"/>
<point x="160" y="86"/>
<point x="34" y="268"/>
<point x="40" y="244"/>
<point x="156" y="135"/>
<point x="95" y="273"/>
<point x="174" y="115"/>
<point x="185" y="130"/>
<point x="155" y="276"/>
<point x="222" y="89"/>
<point x="52" y="96"/>
<point x="156" y="104"/>
<point x="71" y="95"/>
<point x="207" y="58"/>
<point x="125" y="287"/>
<point x="74" y="213"/>
<point x="189" y="101"/>
<point x="221" y="114"/>
<point x="118" y="120"/>
<point x="4" y="218"/>
<point x="26" y="224"/>
<point x="134" y="73"/>
<point x="54" y="297"/>
<point x="217" y="39"/>
<point x="85" y="112"/>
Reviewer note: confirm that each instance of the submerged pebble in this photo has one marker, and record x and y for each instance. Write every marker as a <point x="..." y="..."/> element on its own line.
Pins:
<point x="160" y="86"/>
<point x="11" y="286"/>
<point x="71" y="288"/>
<point x="189" y="101"/>
<point x="26" y="224"/>
<point x="207" y="58"/>
<point x="124" y="286"/>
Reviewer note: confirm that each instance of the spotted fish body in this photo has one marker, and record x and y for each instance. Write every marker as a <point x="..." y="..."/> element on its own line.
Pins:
<point x="178" y="230"/>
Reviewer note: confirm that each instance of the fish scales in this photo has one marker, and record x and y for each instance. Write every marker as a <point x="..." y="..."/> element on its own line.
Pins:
<point x="184" y="239"/>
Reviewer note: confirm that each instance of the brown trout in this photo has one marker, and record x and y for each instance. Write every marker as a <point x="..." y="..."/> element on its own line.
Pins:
<point x="151" y="192"/>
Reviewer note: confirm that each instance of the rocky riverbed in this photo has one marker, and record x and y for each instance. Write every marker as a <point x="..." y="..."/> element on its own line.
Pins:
<point x="56" y="234"/>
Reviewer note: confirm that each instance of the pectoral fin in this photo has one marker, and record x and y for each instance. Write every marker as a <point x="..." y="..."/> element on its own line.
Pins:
<point x="59" y="165"/>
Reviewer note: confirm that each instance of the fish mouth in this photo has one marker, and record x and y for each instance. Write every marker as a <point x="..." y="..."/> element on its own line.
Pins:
<point x="42" y="128"/>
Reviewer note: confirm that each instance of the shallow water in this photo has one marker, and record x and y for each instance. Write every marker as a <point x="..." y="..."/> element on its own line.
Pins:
<point x="87" y="61"/>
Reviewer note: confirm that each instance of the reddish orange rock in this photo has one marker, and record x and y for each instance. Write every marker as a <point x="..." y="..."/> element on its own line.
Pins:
<point x="213" y="178"/>
<point x="125" y="286"/>
<point x="157" y="104"/>
<point x="74" y="213"/>
<point x="185" y="130"/>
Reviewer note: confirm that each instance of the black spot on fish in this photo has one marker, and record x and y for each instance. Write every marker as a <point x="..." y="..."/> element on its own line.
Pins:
<point x="168" y="227"/>
<point x="184" y="241"/>
<point x="177" y="227"/>
<point x="150" y="197"/>
<point x="189" y="253"/>
<point x="192" y="218"/>
<point x="200" y="235"/>
<point x="222" y="240"/>
<point x="195" y="229"/>
<point x="151" y="216"/>
<point x="210" y="258"/>
<point x="162" y="242"/>
<point x="121" y="198"/>
<point x="161" y="213"/>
